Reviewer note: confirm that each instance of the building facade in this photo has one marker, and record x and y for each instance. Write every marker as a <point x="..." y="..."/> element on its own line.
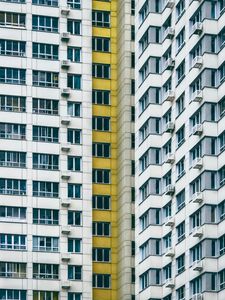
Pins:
<point x="180" y="163"/>
<point x="62" y="113"/>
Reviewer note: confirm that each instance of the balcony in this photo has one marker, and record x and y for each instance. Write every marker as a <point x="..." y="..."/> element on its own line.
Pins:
<point x="197" y="96"/>
<point x="197" y="62"/>
<point x="169" y="33"/>
<point x="65" y="120"/>
<point x="170" y="158"/>
<point x="198" y="265"/>
<point x="170" y="283"/>
<point x="170" y="252"/>
<point x="65" y="36"/>
<point x="197" y="129"/>
<point x="65" y="257"/>
<point x="66" y="92"/>
<point x="65" y="64"/>
<point x="197" y="28"/>
<point x="169" y="221"/>
<point x="169" y="127"/>
<point x="66" y="147"/>
<point x="66" y="202"/>
<point x="170" y="190"/>
<point x="197" y="197"/>
<point x="197" y="163"/>
<point x="66" y="229"/>
<point x="169" y="64"/>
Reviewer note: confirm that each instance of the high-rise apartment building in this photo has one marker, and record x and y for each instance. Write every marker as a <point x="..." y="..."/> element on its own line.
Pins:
<point x="67" y="149"/>
<point x="180" y="137"/>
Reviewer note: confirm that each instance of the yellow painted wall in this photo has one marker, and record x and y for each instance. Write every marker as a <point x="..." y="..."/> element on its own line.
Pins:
<point x="111" y="111"/>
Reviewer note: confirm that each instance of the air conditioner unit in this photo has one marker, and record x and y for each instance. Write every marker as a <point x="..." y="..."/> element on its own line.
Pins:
<point x="65" y="175"/>
<point x="198" y="265"/>
<point x="66" y="202"/>
<point x="169" y="64"/>
<point x="169" y="252"/>
<point x="65" y="36"/>
<point x="198" y="232"/>
<point x="198" y="96"/>
<point x="170" y="189"/>
<point x="169" y="221"/>
<point x="197" y="163"/>
<point x="65" y="92"/>
<point x="197" y="129"/>
<point x="66" y="285"/>
<point x="197" y="28"/>
<point x="66" y="147"/>
<point x="169" y="33"/>
<point x="170" y="158"/>
<point x="197" y="297"/>
<point x="197" y="62"/>
<point x="169" y="96"/>
<point x="170" y="283"/>
<point x="65" y="257"/>
<point x="169" y="127"/>
<point x="197" y="197"/>
<point x="170" y="4"/>
<point x="66" y="229"/>
<point x="65" y="64"/>
<point x="65" y="10"/>
<point x="65" y="120"/>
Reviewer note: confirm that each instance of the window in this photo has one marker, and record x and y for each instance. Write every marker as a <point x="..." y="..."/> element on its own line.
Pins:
<point x="101" y="44"/>
<point x="180" y="72"/>
<point x="12" y="48"/>
<point x="101" y="18"/>
<point x="144" y="220"/>
<point x="45" y="189"/>
<point x="75" y="218"/>
<point x="132" y="62"/>
<point x="195" y="220"/>
<point x="180" y="40"/>
<point x="167" y="241"/>
<point x="145" y="280"/>
<point x="144" y="11"/>
<point x="222" y="141"/>
<point x="12" y="76"/>
<point x="132" y="87"/>
<point x="101" y="229"/>
<point x="132" y="33"/>
<point x="45" y="295"/>
<point x="74" y="296"/>
<point x="74" y="54"/>
<point x="9" y="294"/>
<point x="132" y="192"/>
<point x="101" y="123"/>
<point x="74" y="109"/>
<point x="44" y="23"/>
<point x="45" y="106"/>
<point x="45" y="243"/>
<point x="180" y="168"/>
<point x="132" y="275"/>
<point x="101" y="281"/>
<point x="221" y="177"/>
<point x="74" y="136"/>
<point x="12" y="103"/>
<point x="13" y="213"/>
<point x="74" y="163"/>
<point x="180" y="199"/>
<point x="180" y="232"/>
<point x="132" y="7"/>
<point x="45" y="79"/>
<point x="101" y="71"/>
<point x="196" y="253"/>
<point x="75" y="4"/>
<point x="132" y="168"/>
<point x="45" y="134"/>
<point x="180" y="261"/>
<point x="74" y="190"/>
<point x="196" y="286"/>
<point x="74" y="27"/>
<point x="45" y="51"/>
<point x="74" y="272"/>
<point x="45" y="161"/>
<point x="45" y="216"/>
<point x="167" y="272"/>
<point x="222" y="245"/>
<point x="221" y="209"/>
<point x="101" y="176"/>
<point x="101" y="202"/>
<point x="180" y="8"/>
<point x="132" y="221"/>
<point x="101" y="97"/>
<point x="132" y="248"/>
<point x="12" y="131"/>
<point x="101" y="150"/>
<point x="74" y="81"/>
<point x="12" y="187"/>
<point x="181" y="293"/>
<point x="132" y="141"/>
<point x="101" y="254"/>
<point x="180" y="136"/>
<point x="12" y="19"/>
<point x="45" y="2"/>
<point x="12" y="270"/>
<point x="13" y="241"/>
<point x="12" y="159"/>
<point x="45" y="271"/>
<point x="74" y="245"/>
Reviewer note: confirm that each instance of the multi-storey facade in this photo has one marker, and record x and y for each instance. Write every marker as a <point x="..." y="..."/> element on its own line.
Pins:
<point x="180" y="131"/>
<point x="60" y="186"/>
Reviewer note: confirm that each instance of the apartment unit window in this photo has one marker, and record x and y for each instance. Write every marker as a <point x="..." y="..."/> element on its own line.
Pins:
<point x="101" y="202"/>
<point x="144" y="71"/>
<point x="196" y="253"/>
<point x="38" y="295"/>
<point x="221" y="210"/>
<point x="101" y="281"/>
<point x="74" y="109"/>
<point x="101" y="176"/>
<point x="101" y="71"/>
<point x="145" y="280"/>
<point x="144" y="131"/>
<point x="101" y="150"/>
<point x="74" y="190"/>
<point x="101" y="97"/>
<point x="132" y="87"/>
<point x="45" y="2"/>
<point x="181" y="293"/>
<point x="180" y="199"/>
<point x="12" y="19"/>
<point x="74" y="136"/>
<point x="74" y="245"/>
<point x="45" y="134"/>
<point x="180" y="72"/>
<point x="45" y="51"/>
<point x="144" y="220"/>
<point x="101" y="18"/>
<point x="74" y="81"/>
<point x="12" y="48"/>
<point x="132" y="194"/>
<point x="45" y="79"/>
<point x="101" y="123"/>
<point x="180" y="232"/>
<point x="132" y="7"/>
<point x="144" y="160"/>
<point x="101" y="229"/>
<point x="222" y="107"/>
<point x="180" y="39"/>
<point x="101" y="254"/>
<point x="45" y="271"/>
<point x="74" y="27"/>
<point x="144" y="11"/>
<point x="74" y="54"/>
<point x="74" y="272"/>
<point x="12" y="270"/>
<point x="12" y="131"/>
<point x="132" y="141"/>
<point x="196" y="186"/>
<point x="222" y="141"/>
<point x="222" y="245"/>
<point x="12" y="212"/>
<point x="12" y="187"/>
<point x="132" y="32"/>
<point x="196" y="286"/>
<point x="180" y="168"/>
<point x="195" y="219"/>
<point x="167" y="241"/>
<point x="74" y="163"/>
<point x="132" y="248"/>
<point x="45" y="243"/>
<point x="180" y="261"/>
<point x="45" y="161"/>
<point x="75" y="218"/>
<point x="12" y="159"/>
<point x="45" y="106"/>
<point x="167" y="271"/>
<point x="101" y="44"/>
<point x="45" y="189"/>
<point x="9" y="294"/>
<point x="145" y="250"/>
<point x="12" y="103"/>
<point x="180" y="8"/>
<point x="45" y="216"/>
<point x="180" y="136"/>
<point x="144" y="41"/>
<point x="13" y="241"/>
<point x="75" y="4"/>
<point x="44" y="23"/>
<point x="12" y="76"/>
<point x="74" y="296"/>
